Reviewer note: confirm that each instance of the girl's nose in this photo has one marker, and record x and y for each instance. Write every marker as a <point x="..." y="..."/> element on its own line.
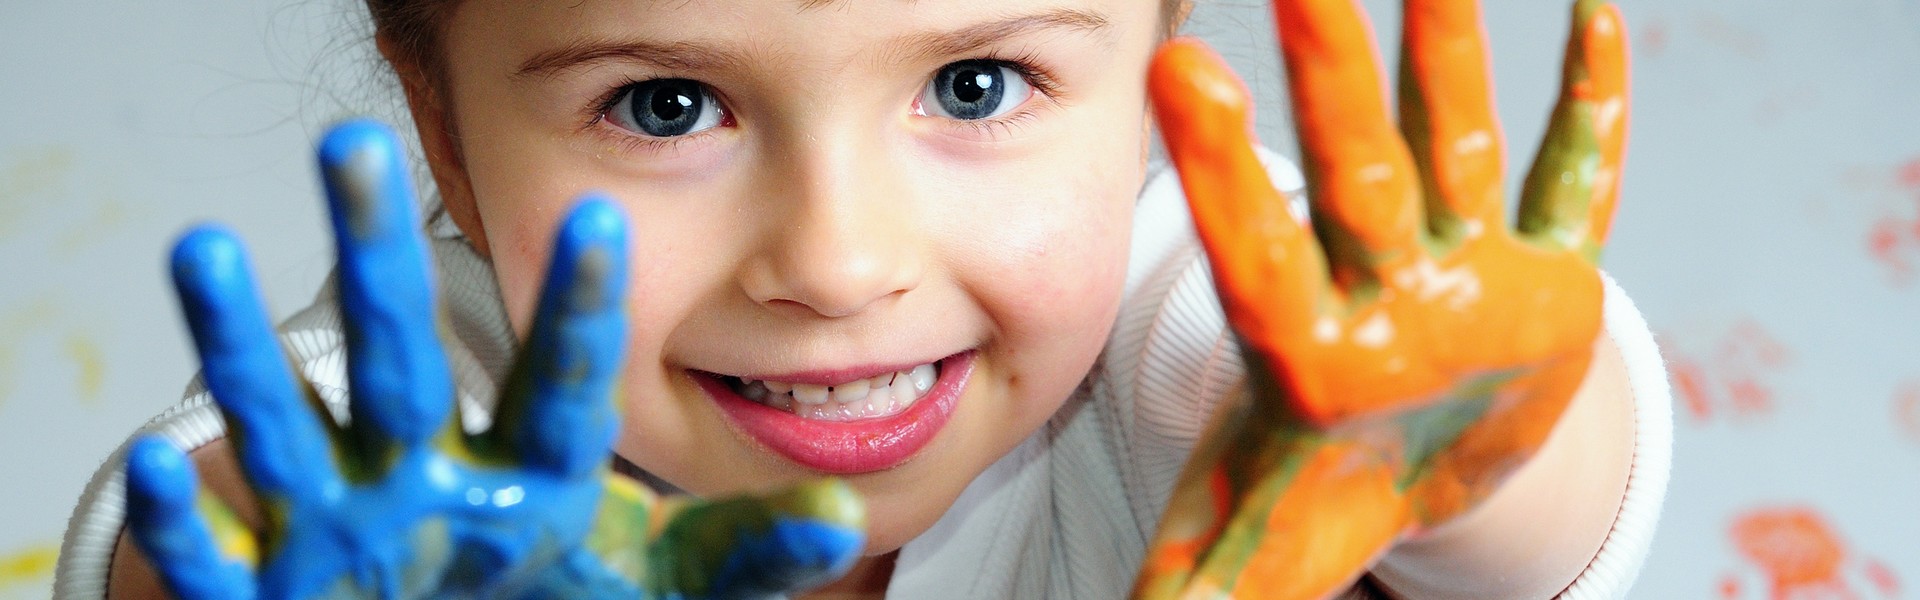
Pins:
<point x="845" y="238"/>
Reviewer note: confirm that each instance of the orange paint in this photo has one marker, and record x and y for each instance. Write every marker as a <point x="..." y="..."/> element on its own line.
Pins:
<point x="1691" y="382"/>
<point x="1411" y="293"/>
<point x="1736" y="381"/>
<point x="1796" y="550"/>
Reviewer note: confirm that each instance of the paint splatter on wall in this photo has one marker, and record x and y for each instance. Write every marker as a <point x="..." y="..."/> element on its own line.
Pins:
<point x="1731" y="376"/>
<point x="1794" y="553"/>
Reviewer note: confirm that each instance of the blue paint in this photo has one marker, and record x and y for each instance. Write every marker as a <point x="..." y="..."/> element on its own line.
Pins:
<point x="792" y="554"/>
<point x="395" y="366"/>
<point x="162" y="519"/>
<point x="415" y="520"/>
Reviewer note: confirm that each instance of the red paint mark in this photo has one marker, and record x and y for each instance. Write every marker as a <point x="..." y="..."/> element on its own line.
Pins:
<point x="1908" y="174"/>
<point x="1692" y="383"/>
<point x="1654" y="37"/>
<point x="1906" y="409"/>
<point x="1893" y="240"/>
<point x="1883" y="579"/>
<point x="1736" y="377"/>
<point x="1796" y="551"/>
<point x="1729" y="587"/>
<point x="1884" y="242"/>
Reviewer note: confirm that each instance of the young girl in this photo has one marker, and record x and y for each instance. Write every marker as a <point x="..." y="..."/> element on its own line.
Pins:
<point x="919" y="246"/>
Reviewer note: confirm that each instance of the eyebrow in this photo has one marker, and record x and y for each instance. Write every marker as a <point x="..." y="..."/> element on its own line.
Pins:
<point x="689" y="56"/>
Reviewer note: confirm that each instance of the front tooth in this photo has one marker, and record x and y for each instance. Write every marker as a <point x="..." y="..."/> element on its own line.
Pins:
<point x="904" y="394"/>
<point x="881" y="397"/>
<point x="808" y="393"/>
<point x="922" y="377"/>
<point x="849" y="392"/>
<point x="778" y="387"/>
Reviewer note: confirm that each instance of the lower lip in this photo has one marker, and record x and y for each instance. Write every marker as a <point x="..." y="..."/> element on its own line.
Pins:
<point x="846" y="448"/>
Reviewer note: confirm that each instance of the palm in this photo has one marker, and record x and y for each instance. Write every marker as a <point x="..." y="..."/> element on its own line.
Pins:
<point x="1410" y="349"/>
<point x="400" y="502"/>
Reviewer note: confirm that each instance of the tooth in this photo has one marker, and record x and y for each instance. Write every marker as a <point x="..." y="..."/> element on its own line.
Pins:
<point x="922" y="377"/>
<point x="810" y="394"/>
<point x="904" y="394"/>
<point x="851" y="391"/>
<point x="778" y="387"/>
<point x="780" y="401"/>
<point x="880" y="396"/>
<point x="754" y="391"/>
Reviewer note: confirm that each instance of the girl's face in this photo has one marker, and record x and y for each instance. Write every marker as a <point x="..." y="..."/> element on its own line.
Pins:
<point x="923" y="205"/>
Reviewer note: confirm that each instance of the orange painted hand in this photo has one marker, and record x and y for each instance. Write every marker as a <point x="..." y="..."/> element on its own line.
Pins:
<point x="1409" y="349"/>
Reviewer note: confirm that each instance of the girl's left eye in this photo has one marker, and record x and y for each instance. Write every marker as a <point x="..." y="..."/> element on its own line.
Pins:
<point x="665" y="108"/>
<point x="971" y="90"/>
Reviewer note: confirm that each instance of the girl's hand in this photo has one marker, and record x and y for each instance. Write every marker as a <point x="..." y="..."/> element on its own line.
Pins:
<point x="1411" y="349"/>
<point x="401" y="503"/>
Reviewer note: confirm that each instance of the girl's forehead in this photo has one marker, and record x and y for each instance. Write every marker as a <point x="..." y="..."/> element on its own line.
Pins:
<point x="769" y="21"/>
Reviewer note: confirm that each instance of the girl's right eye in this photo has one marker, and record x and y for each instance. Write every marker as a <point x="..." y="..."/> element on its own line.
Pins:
<point x="665" y="108"/>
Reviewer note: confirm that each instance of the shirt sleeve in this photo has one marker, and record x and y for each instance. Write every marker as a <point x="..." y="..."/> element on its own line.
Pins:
<point x="1625" y="550"/>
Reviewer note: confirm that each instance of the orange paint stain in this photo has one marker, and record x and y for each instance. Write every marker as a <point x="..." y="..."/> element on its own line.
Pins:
<point x="1800" y="556"/>
<point x="1735" y="379"/>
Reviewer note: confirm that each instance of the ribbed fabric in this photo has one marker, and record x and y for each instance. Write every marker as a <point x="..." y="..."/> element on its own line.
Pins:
<point x="1067" y="514"/>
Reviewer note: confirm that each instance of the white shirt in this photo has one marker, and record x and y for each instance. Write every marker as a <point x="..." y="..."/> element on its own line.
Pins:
<point x="1066" y="514"/>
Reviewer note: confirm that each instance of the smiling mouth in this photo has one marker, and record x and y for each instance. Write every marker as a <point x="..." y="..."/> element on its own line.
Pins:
<point x="843" y="422"/>
<point x="875" y="397"/>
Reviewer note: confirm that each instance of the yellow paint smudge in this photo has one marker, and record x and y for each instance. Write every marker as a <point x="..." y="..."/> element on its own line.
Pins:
<point x="28" y="565"/>
<point x="39" y="172"/>
<point x="92" y="369"/>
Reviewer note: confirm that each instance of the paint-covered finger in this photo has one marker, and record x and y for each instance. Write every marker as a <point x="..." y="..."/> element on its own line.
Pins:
<point x="1569" y="196"/>
<point x="758" y="547"/>
<point x="402" y="387"/>
<point x="283" y="445"/>
<point x="1447" y="116"/>
<point x="557" y="409"/>
<point x="1310" y="529"/>
<point x="1360" y="177"/>
<point x="164" y="519"/>
<point x="1266" y="266"/>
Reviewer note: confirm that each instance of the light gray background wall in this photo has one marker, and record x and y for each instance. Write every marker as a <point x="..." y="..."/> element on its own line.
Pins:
<point x="1770" y="230"/>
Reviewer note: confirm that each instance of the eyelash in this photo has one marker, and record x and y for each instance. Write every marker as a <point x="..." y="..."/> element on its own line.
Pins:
<point x="1025" y="64"/>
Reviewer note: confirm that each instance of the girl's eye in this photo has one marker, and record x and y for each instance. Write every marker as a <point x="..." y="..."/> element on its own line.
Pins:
<point x="665" y="108"/>
<point x="975" y="89"/>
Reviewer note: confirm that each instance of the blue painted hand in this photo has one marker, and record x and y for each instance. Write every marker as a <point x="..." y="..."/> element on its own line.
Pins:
<point x="402" y="503"/>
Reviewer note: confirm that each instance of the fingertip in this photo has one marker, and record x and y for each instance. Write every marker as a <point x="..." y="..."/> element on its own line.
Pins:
<point x="355" y="140"/>
<point x="206" y="249"/>
<point x="158" y="474"/>
<point x="590" y="257"/>
<point x="1188" y="80"/>
<point x="595" y="221"/>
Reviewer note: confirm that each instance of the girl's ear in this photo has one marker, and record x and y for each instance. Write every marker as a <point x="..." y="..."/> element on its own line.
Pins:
<point x="433" y="120"/>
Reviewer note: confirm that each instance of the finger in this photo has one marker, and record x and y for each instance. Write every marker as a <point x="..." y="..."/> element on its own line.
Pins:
<point x="751" y="547"/>
<point x="1569" y="196"/>
<point x="1360" y="177"/>
<point x="1265" y="263"/>
<point x="282" y="443"/>
<point x="161" y="517"/>
<point x="402" y="387"/>
<point x="1447" y="116"/>
<point x="557" y="408"/>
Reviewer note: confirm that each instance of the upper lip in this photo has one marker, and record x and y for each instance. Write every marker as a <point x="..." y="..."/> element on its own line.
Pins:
<point x="828" y="377"/>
